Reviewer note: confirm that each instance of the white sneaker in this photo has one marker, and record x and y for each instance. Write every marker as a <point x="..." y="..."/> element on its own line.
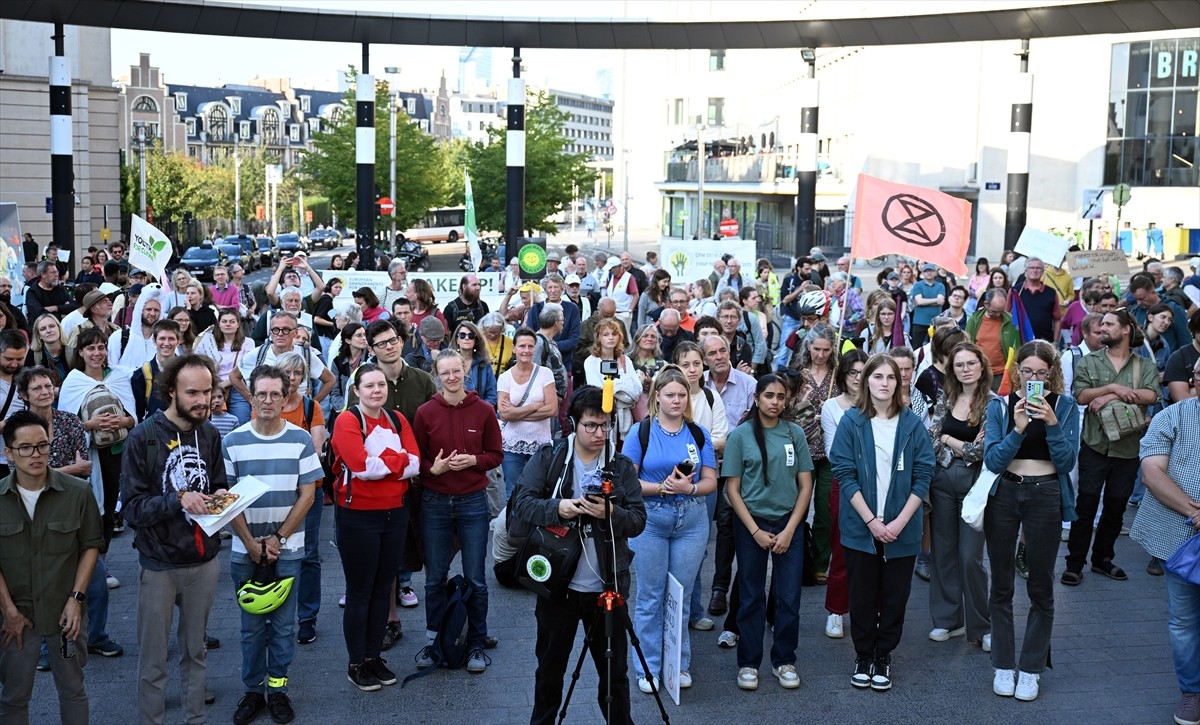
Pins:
<point x="685" y="680"/>
<point x="342" y="601"/>
<point x="986" y="642"/>
<point x="703" y="624"/>
<point x="786" y="674"/>
<point x="644" y="685"/>
<point x="727" y="640"/>
<point x="113" y="582"/>
<point x="408" y="598"/>
<point x="937" y="634"/>
<point x="1027" y="686"/>
<point x="748" y="678"/>
<point x="833" y="627"/>
<point x="1004" y="683"/>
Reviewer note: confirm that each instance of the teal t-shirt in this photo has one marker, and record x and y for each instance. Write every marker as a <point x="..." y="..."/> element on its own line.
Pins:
<point x="787" y="453"/>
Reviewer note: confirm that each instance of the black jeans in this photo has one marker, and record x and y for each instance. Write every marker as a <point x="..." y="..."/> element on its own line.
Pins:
<point x="557" y="623"/>
<point x="110" y="475"/>
<point x="723" y="564"/>
<point x="879" y="590"/>
<point x="1099" y="476"/>
<point x="372" y="544"/>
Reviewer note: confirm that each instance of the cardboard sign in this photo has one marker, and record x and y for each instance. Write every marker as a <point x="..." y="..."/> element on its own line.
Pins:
<point x="672" y="634"/>
<point x="1094" y="262"/>
<point x="1045" y="246"/>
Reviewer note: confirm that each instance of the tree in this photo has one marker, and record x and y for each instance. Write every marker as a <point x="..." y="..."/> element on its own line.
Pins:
<point x="421" y="181"/>
<point x="549" y="170"/>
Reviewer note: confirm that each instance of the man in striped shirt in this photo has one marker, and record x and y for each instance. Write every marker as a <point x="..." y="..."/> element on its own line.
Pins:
<point x="280" y="455"/>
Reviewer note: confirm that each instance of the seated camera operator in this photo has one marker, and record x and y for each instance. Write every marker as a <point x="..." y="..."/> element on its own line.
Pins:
<point x="577" y="462"/>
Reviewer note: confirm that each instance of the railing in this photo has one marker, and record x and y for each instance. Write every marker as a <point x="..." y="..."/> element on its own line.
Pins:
<point x="777" y="242"/>
<point x="754" y="168"/>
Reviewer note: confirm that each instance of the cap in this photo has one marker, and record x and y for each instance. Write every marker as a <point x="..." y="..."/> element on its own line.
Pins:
<point x="112" y="266"/>
<point x="893" y="276"/>
<point x="572" y="279"/>
<point x="816" y="254"/>
<point x="1194" y="262"/>
<point x="513" y="261"/>
<point x="928" y="266"/>
<point x="91" y="299"/>
<point x="135" y="272"/>
<point x="612" y="262"/>
<point x="301" y="253"/>
<point x="433" y="329"/>
<point x="136" y="289"/>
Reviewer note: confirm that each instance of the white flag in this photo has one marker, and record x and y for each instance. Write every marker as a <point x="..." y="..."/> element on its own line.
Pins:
<point x="149" y="248"/>
<point x="472" y="229"/>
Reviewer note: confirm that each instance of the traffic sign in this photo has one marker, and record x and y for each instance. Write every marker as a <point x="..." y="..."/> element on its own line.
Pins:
<point x="385" y="206"/>
<point x="728" y="227"/>
<point x="1121" y="194"/>
<point x="1093" y="204"/>
<point x="308" y="217"/>
<point x="105" y="234"/>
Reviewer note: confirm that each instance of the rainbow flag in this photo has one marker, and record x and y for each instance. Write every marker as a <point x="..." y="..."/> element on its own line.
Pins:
<point x="1020" y="317"/>
<point x="1006" y="381"/>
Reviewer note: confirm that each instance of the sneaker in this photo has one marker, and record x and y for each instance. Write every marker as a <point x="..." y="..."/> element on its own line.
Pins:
<point x="685" y="680"/>
<point x="644" y="685"/>
<point x="986" y="642"/>
<point x="477" y="661"/>
<point x="307" y="632"/>
<point x="280" y="707"/>
<point x="1188" y="712"/>
<point x="727" y="640"/>
<point x="1022" y="563"/>
<point x="1065" y="536"/>
<point x="937" y="634"/>
<point x="881" y="673"/>
<point x="407" y="598"/>
<point x="248" y="708"/>
<point x="112" y="582"/>
<point x="490" y="642"/>
<point x="363" y="678"/>
<point x="717" y="605"/>
<point x="834" y="629"/>
<point x="391" y="635"/>
<point x="43" y="664"/>
<point x="378" y="667"/>
<point x="748" y="678"/>
<point x="922" y="567"/>
<point x="703" y="624"/>
<point x="1004" y="683"/>
<point x="425" y="657"/>
<point x="106" y="648"/>
<point x="1027" y="687"/>
<point x="786" y="674"/>
<point x="342" y="601"/>
<point x="1155" y="567"/>
<point x="211" y="642"/>
<point x="863" y="668"/>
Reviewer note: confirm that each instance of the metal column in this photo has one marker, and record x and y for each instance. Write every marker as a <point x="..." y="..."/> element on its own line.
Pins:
<point x="364" y="156"/>
<point x="806" y="166"/>
<point x="1018" y="152"/>
<point x="514" y="209"/>
<point x="62" y="172"/>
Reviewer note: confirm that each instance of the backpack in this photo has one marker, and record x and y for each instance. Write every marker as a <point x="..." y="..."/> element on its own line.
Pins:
<point x="449" y="648"/>
<point x="556" y="366"/>
<point x="344" y="473"/>
<point x="100" y="401"/>
<point x="148" y="373"/>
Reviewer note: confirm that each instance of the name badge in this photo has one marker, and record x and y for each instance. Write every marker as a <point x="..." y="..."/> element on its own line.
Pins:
<point x="790" y="450"/>
<point x="693" y="454"/>
<point x="900" y="462"/>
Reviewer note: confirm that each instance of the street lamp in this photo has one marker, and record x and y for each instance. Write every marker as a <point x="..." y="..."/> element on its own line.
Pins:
<point x="237" y="184"/>
<point x="392" y="70"/>
<point x="139" y="132"/>
<point x="625" y="183"/>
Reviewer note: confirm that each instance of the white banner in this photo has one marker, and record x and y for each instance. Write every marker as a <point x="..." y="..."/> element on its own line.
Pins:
<point x="690" y="259"/>
<point x="445" y="285"/>
<point x="149" y="248"/>
<point x="1047" y="247"/>
<point x="672" y="634"/>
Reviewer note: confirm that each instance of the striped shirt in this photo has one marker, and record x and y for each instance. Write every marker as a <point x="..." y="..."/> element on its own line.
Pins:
<point x="1174" y="432"/>
<point x="284" y="462"/>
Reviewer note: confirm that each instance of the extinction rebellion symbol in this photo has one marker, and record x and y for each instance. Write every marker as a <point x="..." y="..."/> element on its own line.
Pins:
<point x="914" y="220"/>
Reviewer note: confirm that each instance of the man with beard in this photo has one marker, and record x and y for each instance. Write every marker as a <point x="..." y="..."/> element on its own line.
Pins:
<point x="172" y="464"/>
<point x="467" y="307"/>
<point x="623" y="288"/>
<point x="572" y="293"/>
<point x="6" y="289"/>
<point x="165" y="335"/>
<point x="13" y="349"/>
<point x="568" y="338"/>
<point x="47" y="295"/>
<point x="134" y="344"/>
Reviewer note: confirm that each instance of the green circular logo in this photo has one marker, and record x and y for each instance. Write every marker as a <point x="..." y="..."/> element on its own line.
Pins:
<point x="532" y="258"/>
<point x="538" y="567"/>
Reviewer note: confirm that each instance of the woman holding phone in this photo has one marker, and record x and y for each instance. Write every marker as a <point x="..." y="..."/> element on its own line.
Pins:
<point x="1034" y="441"/>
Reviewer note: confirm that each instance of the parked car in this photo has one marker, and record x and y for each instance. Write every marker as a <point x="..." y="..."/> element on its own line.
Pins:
<point x="231" y="251"/>
<point x="200" y="261"/>
<point x="290" y="243"/>
<point x="268" y="253"/>
<point x="328" y="238"/>
<point x="249" y="250"/>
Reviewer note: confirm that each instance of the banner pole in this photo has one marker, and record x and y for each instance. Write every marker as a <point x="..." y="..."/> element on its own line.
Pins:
<point x="837" y="343"/>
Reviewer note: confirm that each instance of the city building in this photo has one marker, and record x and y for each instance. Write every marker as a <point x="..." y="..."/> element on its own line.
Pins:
<point x="471" y="115"/>
<point x="589" y="127"/>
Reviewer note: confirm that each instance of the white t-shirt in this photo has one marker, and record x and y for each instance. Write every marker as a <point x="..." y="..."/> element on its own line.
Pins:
<point x="525" y="436"/>
<point x="30" y="499"/>
<point x="884" y="432"/>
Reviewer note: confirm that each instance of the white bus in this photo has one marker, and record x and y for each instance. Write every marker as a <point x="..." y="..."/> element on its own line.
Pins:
<point x="439" y="225"/>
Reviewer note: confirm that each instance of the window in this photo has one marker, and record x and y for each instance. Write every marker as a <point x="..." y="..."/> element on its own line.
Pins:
<point x="245" y="130"/>
<point x="181" y="102"/>
<point x="410" y="105"/>
<point x="191" y="126"/>
<point x="235" y="105"/>
<point x="294" y="132"/>
<point x="305" y="103"/>
<point x="314" y="125"/>
<point x="155" y="129"/>
<point x="716" y="60"/>
<point x="193" y="151"/>
<point x="716" y="112"/>
<point x="269" y="124"/>
<point x="218" y="123"/>
<point x="425" y="125"/>
<point x="145" y="104"/>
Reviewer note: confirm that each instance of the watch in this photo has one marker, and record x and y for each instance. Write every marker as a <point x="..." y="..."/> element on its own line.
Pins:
<point x="281" y="537"/>
<point x="78" y="596"/>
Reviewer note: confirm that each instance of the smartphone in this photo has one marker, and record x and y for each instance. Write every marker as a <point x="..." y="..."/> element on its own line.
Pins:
<point x="66" y="647"/>
<point x="686" y="467"/>
<point x="1035" y="390"/>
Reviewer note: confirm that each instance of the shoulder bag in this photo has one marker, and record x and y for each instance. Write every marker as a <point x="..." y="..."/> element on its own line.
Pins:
<point x="1120" y="419"/>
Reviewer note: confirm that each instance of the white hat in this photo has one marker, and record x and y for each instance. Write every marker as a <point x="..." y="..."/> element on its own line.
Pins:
<point x="572" y="279"/>
<point x="612" y="262"/>
<point x="1194" y="262"/>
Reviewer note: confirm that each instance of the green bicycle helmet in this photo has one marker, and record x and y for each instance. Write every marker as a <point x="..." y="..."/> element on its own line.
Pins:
<point x="265" y="591"/>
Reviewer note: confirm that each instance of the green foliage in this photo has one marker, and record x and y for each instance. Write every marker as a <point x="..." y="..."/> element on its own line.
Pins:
<point x="549" y="170"/>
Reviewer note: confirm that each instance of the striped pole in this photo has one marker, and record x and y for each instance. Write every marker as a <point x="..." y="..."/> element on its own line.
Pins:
<point x="62" y="173"/>
<point x="364" y="157"/>
<point x="1018" y="153"/>
<point x="514" y="216"/>
<point x="806" y="167"/>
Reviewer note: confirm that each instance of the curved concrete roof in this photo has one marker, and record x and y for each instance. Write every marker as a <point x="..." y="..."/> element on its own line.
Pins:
<point x="333" y="25"/>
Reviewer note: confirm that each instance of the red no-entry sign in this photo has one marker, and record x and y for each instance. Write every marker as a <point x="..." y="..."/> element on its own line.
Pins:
<point x="728" y="228"/>
<point x="385" y="206"/>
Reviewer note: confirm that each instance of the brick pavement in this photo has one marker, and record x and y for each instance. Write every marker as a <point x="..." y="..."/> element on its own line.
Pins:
<point x="1112" y="665"/>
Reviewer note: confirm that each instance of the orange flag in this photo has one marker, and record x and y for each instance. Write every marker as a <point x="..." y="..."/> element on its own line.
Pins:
<point x="1006" y="381"/>
<point x="911" y="221"/>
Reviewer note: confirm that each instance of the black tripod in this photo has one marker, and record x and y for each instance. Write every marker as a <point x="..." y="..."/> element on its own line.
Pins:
<point x="610" y="600"/>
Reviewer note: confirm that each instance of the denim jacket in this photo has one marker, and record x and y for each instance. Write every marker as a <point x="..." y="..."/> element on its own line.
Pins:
<point x="853" y="459"/>
<point x="1000" y="445"/>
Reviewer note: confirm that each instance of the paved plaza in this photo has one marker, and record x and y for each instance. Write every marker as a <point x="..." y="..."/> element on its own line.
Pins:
<point x="1111" y="660"/>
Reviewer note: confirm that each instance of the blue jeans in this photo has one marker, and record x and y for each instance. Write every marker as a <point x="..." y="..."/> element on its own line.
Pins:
<point x="752" y="594"/>
<point x="513" y="464"/>
<point x="266" y="634"/>
<point x="710" y="502"/>
<point x="97" y="603"/>
<point x="309" y="583"/>
<point x="787" y="326"/>
<point x="442" y="516"/>
<point x="1183" y="602"/>
<point x="672" y="543"/>
<point x="238" y="406"/>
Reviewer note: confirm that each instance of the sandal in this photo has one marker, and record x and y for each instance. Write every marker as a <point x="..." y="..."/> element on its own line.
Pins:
<point x="821" y="577"/>
<point x="1071" y="578"/>
<point x="1110" y="570"/>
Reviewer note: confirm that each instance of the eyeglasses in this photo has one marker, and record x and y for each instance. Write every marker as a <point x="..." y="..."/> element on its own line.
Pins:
<point x="27" y="451"/>
<point x="854" y="373"/>
<point x="1034" y="374"/>
<point x="972" y="364"/>
<point x="268" y="396"/>
<point x="450" y="374"/>
<point x="466" y="335"/>
<point x="282" y="330"/>
<point x="381" y="344"/>
<point x="593" y="427"/>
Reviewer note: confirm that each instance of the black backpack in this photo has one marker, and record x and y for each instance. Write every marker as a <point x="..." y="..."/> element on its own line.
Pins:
<point x="450" y="648"/>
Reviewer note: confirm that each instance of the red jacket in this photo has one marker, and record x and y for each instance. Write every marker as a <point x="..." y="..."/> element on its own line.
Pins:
<point x="378" y="494"/>
<point x="469" y="427"/>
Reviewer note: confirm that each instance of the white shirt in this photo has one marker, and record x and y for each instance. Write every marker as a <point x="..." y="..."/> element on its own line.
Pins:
<point x="711" y="418"/>
<point x="30" y="499"/>
<point x="884" y="432"/>
<point x="248" y="362"/>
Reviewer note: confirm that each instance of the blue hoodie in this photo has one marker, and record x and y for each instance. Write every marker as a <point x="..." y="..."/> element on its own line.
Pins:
<point x="853" y="459"/>
<point x="1000" y="445"/>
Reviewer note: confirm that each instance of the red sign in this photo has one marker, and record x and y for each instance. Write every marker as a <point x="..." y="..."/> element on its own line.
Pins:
<point x="385" y="206"/>
<point x="728" y="227"/>
<point x="260" y="213"/>
<point x="308" y="216"/>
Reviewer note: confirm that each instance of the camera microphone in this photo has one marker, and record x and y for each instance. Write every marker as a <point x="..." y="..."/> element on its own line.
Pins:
<point x="607" y="401"/>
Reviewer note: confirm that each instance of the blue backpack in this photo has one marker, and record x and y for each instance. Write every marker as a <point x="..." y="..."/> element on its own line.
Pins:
<point x="450" y="648"/>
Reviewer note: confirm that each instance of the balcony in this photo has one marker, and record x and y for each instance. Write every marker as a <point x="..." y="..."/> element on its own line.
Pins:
<point x="746" y="168"/>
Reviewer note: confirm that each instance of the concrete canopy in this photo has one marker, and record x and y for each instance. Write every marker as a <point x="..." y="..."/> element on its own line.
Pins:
<point x="205" y="17"/>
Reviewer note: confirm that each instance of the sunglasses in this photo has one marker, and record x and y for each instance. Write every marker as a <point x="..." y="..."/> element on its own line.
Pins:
<point x="466" y="335"/>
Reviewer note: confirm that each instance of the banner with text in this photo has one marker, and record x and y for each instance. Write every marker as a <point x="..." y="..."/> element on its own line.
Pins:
<point x="12" y="252"/>
<point x="445" y="285"/>
<point x="690" y="259"/>
<point x="149" y="248"/>
<point x="1093" y="262"/>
